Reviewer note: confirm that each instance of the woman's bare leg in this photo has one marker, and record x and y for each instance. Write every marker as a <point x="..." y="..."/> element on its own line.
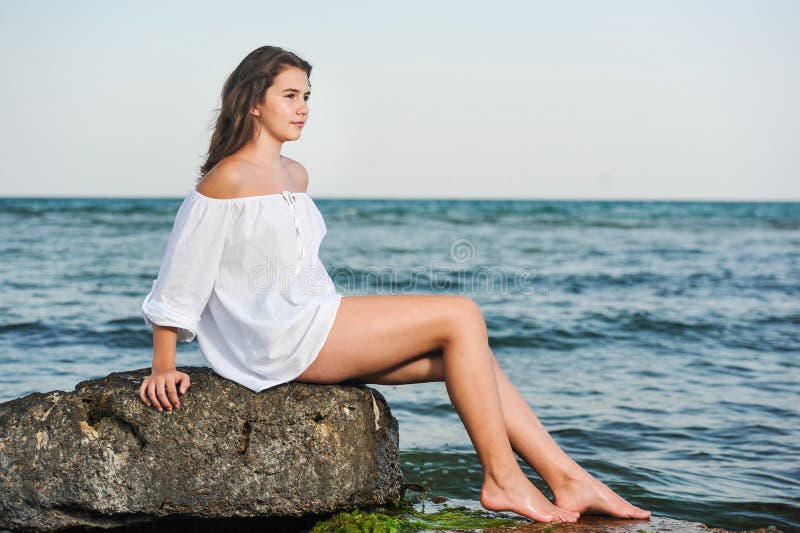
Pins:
<point x="374" y="333"/>
<point x="574" y="488"/>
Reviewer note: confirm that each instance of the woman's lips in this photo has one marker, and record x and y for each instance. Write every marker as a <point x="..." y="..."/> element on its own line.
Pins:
<point x="298" y="124"/>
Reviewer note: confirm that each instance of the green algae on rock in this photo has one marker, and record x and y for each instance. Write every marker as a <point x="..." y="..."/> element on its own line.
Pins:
<point x="406" y="519"/>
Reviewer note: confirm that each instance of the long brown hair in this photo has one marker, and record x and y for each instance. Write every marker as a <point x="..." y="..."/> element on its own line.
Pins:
<point x="244" y="88"/>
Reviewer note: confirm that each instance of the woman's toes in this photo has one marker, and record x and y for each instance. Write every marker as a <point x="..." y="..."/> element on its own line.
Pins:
<point x="569" y="516"/>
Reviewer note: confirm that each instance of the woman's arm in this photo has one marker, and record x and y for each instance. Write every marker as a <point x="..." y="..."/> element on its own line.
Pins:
<point x="160" y="388"/>
<point x="176" y="300"/>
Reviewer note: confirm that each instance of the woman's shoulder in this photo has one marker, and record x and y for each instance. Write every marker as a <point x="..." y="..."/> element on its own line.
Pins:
<point x="224" y="181"/>
<point x="299" y="173"/>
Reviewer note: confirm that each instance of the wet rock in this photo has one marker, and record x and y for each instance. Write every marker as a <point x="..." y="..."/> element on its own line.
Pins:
<point x="604" y="524"/>
<point x="97" y="456"/>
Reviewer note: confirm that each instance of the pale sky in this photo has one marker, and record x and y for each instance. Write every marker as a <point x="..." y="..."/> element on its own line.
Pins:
<point x="688" y="99"/>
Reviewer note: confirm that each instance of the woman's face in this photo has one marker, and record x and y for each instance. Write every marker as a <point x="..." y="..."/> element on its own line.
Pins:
<point x="284" y="109"/>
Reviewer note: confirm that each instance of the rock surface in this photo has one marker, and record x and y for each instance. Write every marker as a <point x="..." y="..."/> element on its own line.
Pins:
<point x="597" y="524"/>
<point x="97" y="456"/>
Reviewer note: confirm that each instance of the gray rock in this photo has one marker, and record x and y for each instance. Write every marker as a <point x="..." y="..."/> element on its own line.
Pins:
<point x="97" y="456"/>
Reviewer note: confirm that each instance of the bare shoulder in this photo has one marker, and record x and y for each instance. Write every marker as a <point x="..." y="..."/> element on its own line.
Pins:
<point x="225" y="180"/>
<point x="299" y="173"/>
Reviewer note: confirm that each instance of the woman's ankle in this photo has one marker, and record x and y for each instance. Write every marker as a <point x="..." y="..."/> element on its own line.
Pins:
<point x="566" y="478"/>
<point x="503" y="476"/>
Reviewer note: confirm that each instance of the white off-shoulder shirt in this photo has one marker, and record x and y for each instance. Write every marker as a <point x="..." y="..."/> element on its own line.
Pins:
<point x="244" y="276"/>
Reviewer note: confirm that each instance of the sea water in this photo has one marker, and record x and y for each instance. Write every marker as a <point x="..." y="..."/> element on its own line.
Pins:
<point x="659" y="342"/>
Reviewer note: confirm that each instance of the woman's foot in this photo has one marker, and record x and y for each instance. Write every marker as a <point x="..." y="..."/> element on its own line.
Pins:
<point x="520" y="496"/>
<point x="586" y="495"/>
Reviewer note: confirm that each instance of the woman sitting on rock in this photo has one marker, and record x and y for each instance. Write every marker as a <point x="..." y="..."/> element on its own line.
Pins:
<point x="241" y="272"/>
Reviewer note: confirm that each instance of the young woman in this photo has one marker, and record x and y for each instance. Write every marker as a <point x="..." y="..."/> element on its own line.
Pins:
<point x="241" y="272"/>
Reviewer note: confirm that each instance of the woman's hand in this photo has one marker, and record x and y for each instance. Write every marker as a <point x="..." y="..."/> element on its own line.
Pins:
<point x="160" y="388"/>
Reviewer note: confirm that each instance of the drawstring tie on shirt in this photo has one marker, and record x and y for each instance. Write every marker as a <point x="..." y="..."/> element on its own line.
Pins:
<point x="289" y="197"/>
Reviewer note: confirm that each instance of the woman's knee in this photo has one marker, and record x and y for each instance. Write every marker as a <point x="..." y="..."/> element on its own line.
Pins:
<point x="466" y="319"/>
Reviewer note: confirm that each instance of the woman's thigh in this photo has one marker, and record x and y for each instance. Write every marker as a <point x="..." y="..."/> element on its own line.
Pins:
<point x="378" y="332"/>
<point x="424" y="369"/>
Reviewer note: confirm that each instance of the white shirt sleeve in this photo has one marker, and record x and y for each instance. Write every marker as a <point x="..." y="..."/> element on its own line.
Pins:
<point x="189" y="267"/>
